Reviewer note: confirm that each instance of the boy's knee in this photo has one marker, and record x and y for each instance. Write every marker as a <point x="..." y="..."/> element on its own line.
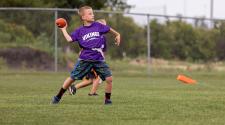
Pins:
<point x="109" y="79"/>
<point x="68" y="82"/>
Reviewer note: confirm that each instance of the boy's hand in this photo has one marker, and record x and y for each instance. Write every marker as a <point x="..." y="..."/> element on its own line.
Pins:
<point x="63" y="28"/>
<point x="117" y="40"/>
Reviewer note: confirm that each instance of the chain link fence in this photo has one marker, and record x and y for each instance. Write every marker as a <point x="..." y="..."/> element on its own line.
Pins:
<point x="34" y="30"/>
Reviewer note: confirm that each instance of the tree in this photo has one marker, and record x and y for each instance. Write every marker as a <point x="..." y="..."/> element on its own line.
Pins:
<point x="119" y="5"/>
<point x="160" y="40"/>
<point x="133" y="42"/>
<point x="178" y="39"/>
<point x="25" y="3"/>
<point x="220" y="42"/>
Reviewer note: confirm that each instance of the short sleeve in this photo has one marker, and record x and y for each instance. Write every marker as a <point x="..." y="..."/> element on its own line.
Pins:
<point x="103" y="28"/>
<point x="74" y="35"/>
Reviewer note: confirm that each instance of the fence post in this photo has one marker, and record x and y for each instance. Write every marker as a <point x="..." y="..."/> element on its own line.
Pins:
<point x="149" y="44"/>
<point x="56" y="42"/>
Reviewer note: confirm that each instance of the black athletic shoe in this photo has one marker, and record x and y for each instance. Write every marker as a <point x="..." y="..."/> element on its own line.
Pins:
<point x="108" y="102"/>
<point x="55" y="100"/>
<point x="72" y="90"/>
<point x="94" y="94"/>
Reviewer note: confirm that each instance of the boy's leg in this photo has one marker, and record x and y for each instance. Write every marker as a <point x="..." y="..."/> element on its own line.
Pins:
<point x="94" y="86"/>
<point x="104" y="72"/>
<point x="108" y="90"/>
<point x="80" y="70"/>
<point x="62" y="90"/>
<point x="108" y="87"/>
<point x="84" y="83"/>
<point x="66" y="85"/>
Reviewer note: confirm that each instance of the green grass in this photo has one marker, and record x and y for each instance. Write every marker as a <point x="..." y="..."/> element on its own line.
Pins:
<point x="137" y="100"/>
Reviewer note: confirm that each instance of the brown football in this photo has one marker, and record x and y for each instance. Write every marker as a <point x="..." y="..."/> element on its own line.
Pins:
<point x="60" y="22"/>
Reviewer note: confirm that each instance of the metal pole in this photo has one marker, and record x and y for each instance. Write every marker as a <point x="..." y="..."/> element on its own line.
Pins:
<point x="185" y="4"/>
<point x="165" y="10"/>
<point x="149" y="44"/>
<point x="211" y="12"/>
<point x="56" y="43"/>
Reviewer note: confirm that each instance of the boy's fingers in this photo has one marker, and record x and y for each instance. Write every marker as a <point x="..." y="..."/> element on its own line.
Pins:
<point x="64" y="27"/>
<point x="117" y="39"/>
<point x="117" y="43"/>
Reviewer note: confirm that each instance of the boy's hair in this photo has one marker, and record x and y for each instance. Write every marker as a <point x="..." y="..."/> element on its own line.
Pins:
<point x="81" y="10"/>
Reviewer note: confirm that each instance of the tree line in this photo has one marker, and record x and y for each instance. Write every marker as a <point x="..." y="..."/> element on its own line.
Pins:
<point x="184" y="41"/>
<point x="171" y="39"/>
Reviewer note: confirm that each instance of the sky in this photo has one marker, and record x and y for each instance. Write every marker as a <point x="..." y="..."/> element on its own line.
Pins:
<point x="190" y="8"/>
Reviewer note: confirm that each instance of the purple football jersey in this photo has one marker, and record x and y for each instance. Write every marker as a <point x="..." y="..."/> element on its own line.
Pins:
<point x="90" y="40"/>
<point x="104" y="44"/>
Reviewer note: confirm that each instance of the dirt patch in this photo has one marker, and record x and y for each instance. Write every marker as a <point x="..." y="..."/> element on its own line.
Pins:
<point x="25" y="57"/>
<point x="139" y="62"/>
<point x="166" y="64"/>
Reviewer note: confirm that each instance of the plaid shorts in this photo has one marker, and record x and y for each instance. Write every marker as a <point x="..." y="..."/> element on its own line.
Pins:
<point x="82" y="68"/>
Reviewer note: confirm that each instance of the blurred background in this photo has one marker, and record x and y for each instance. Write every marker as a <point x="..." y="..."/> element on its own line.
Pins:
<point x="161" y="39"/>
<point x="184" y="35"/>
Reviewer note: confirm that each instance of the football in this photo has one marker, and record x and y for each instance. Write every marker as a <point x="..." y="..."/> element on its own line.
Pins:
<point x="61" y="22"/>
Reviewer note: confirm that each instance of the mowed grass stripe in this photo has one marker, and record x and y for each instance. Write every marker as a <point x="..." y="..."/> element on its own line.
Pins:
<point x="159" y="99"/>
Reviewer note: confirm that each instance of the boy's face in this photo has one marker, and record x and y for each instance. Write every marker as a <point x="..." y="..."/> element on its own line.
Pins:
<point x="88" y="15"/>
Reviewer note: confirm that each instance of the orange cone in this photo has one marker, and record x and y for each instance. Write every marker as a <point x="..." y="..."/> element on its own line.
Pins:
<point x="185" y="79"/>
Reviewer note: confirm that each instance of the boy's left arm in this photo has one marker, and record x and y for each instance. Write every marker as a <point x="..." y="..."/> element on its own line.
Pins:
<point x="117" y="36"/>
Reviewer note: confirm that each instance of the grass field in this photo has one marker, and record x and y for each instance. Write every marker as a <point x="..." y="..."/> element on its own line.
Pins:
<point x="137" y="100"/>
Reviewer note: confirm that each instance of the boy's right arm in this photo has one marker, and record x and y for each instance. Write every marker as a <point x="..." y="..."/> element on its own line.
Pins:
<point x="66" y="35"/>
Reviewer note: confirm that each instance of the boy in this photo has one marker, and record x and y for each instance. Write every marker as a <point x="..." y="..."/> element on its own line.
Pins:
<point x="89" y="39"/>
<point x="92" y="77"/>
